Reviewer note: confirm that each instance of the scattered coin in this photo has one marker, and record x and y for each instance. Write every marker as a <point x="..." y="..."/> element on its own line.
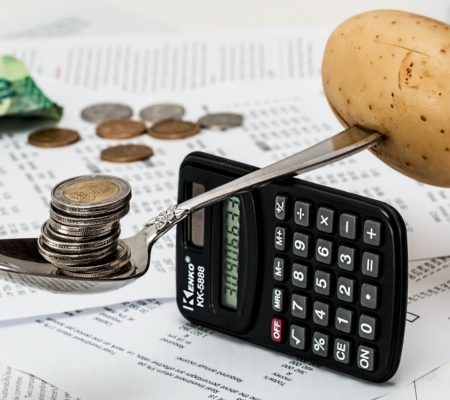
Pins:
<point x="162" y="112"/>
<point x="171" y="130"/>
<point x="120" y="129"/>
<point x="101" y="112"/>
<point x="126" y="153"/>
<point x="53" y="137"/>
<point x="221" y="121"/>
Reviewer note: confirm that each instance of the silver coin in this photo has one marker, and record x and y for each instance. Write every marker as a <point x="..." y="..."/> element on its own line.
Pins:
<point x="65" y="219"/>
<point x="79" y="232"/>
<point x="88" y="195"/>
<point x="115" y="260"/>
<point x="221" y="121"/>
<point x="60" y="259"/>
<point x="162" y="112"/>
<point x="101" y="112"/>
<point x="74" y="247"/>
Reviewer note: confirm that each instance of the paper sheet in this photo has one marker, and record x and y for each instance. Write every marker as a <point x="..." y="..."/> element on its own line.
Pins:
<point x="165" y="356"/>
<point x="19" y="385"/>
<point x="280" y="118"/>
<point x="172" y="62"/>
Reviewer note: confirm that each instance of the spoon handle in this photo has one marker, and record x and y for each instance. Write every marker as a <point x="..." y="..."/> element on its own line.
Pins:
<point x="341" y="145"/>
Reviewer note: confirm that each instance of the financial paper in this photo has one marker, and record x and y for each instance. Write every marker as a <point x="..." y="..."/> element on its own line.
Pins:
<point x="146" y="349"/>
<point x="280" y="119"/>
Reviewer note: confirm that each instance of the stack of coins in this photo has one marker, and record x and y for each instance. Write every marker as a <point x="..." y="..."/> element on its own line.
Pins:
<point x="81" y="236"/>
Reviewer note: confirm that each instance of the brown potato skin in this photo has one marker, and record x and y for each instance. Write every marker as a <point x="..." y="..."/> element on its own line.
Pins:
<point x="389" y="71"/>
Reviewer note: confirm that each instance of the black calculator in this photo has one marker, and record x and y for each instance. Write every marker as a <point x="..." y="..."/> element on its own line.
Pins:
<point x="296" y="267"/>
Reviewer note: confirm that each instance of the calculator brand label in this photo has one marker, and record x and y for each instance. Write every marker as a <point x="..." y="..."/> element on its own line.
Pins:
<point x="194" y="293"/>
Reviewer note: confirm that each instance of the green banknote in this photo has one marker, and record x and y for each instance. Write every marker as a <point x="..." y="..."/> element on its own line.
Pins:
<point x="19" y="94"/>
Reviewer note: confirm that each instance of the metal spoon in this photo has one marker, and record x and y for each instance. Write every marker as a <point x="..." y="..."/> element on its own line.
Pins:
<point x="21" y="261"/>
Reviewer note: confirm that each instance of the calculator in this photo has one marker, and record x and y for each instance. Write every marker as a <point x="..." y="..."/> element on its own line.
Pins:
<point x="296" y="267"/>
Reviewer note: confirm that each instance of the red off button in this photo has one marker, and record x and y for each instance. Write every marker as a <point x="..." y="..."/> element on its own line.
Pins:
<point x="277" y="330"/>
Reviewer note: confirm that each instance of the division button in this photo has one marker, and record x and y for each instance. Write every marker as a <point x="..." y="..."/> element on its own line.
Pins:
<point x="322" y="281"/>
<point x="345" y="289"/>
<point x="300" y="275"/>
<point x="346" y="258"/>
<point x="341" y="351"/>
<point x="279" y="269"/>
<point x="302" y="212"/>
<point x="320" y="344"/>
<point x="369" y="296"/>
<point x="297" y="337"/>
<point x="367" y="327"/>
<point x="277" y="299"/>
<point x="301" y="244"/>
<point x="299" y="306"/>
<point x="372" y="232"/>
<point x="280" y="238"/>
<point x="343" y="320"/>
<point x="366" y="358"/>
<point x="277" y="330"/>
<point x="321" y="313"/>
<point x="324" y="251"/>
<point x="370" y="264"/>
<point x="325" y="220"/>
<point x="347" y="226"/>
<point x="280" y="207"/>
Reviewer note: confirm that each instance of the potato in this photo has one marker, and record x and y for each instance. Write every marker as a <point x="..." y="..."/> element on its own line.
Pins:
<point x="389" y="71"/>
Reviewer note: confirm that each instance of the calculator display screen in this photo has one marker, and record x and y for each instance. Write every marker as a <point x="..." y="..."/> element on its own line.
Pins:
<point x="231" y="253"/>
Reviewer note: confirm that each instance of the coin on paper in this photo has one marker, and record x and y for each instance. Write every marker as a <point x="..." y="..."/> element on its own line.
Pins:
<point x="101" y="112"/>
<point x="171" y="130"/>
<point x="53" y="137"/>
<point x="120" y="129"/>
<point x="162" y="112"/>
<point x="126" y="153"/>
<point x="221" y="121"/>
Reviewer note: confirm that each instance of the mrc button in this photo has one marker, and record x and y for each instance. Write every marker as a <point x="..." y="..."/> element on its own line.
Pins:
<point x="277" y="329"/>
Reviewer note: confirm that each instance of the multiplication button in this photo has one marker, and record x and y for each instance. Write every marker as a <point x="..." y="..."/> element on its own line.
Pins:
<point x="325" y="218"/>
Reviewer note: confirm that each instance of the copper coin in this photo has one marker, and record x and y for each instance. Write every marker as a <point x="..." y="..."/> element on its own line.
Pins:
<point x="171" y="130"/>
<point x="120" y="129"/>
<point x="53" y="137"/>
<point x="126" y="153"/>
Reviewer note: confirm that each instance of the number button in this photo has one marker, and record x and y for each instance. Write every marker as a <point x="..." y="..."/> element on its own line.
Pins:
<point x="320" y="344"/>
<point x="280" y="207"/>
<point x="298" y="306"/>
<point x="280" y="238"/>
<point x="278" y="269"/>
<point x="346" y="258"/>
<point x="300" y="275"/>
<point x="322" y="282"/>
<point x="342" y="351"/>
<point x="302" y="211"/>
<point x="371" y="264"/>
<point x="321" y="313"/>
<point x="343" y="321"/>
<point x="367" y="326"/>
<point x="297" y="337"/>
<point x="366" y="358"/>
<point x="372" y="232"/>
<point x="347" y="226"/>
<point x="277" y="299"/>
<point x="325" y="220"/>
<point x="369" y="296"/>
<point x="324" y="251"/>
<point x="345" y="289"/>
<point x="301" y="244"/>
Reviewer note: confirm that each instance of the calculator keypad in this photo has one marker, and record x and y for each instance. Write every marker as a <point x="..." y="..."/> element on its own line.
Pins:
<point x="334" y="262"/>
